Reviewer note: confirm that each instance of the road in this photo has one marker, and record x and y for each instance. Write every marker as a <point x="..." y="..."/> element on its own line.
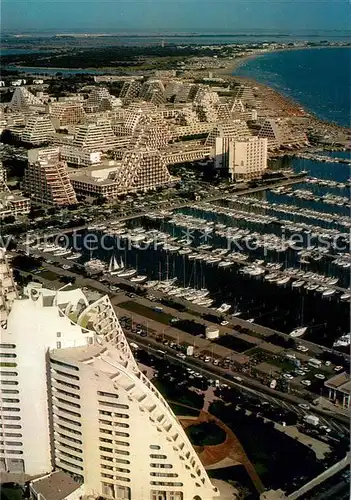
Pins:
<point x="233" y="321"/>
<point x="294" y="179"/>
<point x="288" y="401"/>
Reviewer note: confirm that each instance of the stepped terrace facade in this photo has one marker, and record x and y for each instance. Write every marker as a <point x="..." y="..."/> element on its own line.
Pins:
<point x="98" y="417"/>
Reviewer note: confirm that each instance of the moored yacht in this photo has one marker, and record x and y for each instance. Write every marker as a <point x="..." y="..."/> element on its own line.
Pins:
<point x="298" y="284"/>
<point x="126" y="273"/>
<point x="62" y="252"/>
<point x="138" y="279"/>
<point x="283" y="281"/>
<point x="345" y="296"/>
<point x="298" y="332"/>
<point x="224" y="308"/>
<point x="74" y="256"/>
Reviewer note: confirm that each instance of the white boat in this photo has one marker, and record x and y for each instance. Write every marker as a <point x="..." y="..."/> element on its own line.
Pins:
<point x="224" y="308"/>
<point x="271" y="277"/>
<point x="192" y="256"/>
<point x="333" y="281"/>
<point x="213" y="260"/>
<point x="113" y="267"/>
<point x="74" y="256"/>
<point x="312" y="286"/>
<point x="225" y="263"/>
<point x="298" y="284"/>
<point x="329" y="292"/>
<point x="205" y="302"/>
<point x="345" y="297"/>
<point x="283" y="281"/>
<point x="138" y="279"/>
<point x="298" y="332"/>
<point x="256" y="271"/>
<point x="50" y="247"/>
<point x="62" y="252"/>
<point x="127" y="273"/>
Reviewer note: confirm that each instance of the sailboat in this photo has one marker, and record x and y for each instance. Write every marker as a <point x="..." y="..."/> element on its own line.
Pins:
<point x="301" y="330"/>
<point x="138" y="278"/>
<point x="113" y="266"/>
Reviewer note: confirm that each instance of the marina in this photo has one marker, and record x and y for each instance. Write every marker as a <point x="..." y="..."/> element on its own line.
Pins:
<point x="267" y="256"/>
<point x="238" y="255"/>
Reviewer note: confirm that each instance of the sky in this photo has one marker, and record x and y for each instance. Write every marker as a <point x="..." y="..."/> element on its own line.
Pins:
<point x="174" y="15"/>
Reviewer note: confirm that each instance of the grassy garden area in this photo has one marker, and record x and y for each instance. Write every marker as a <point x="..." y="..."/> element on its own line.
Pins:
<point x="183" y="410"/>
<point x="280" y="461"/>
<point x="233" y="343"/>
<point x="137" y="308"/>
<point x="205" y="434"/>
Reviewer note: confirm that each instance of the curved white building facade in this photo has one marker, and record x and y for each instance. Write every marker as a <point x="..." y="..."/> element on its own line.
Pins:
<point x="91" y="412"/>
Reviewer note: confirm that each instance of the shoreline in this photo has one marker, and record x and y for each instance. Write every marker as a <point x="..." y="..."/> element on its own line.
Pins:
<point x="239" y="61"/>
<point x="229" y="72"/>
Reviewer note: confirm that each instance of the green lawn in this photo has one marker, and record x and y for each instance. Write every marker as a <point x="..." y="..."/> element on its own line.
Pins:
<point x="184" y="411"/>
<point x="147" y="312"/>
<point x="205" y="434"/>
<point x="48" y="275"/>
<point x="8" y="493"/>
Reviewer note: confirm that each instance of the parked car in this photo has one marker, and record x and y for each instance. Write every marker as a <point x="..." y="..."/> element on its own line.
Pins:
<point x="306" y="382"/>
<point x="302" y="348"/>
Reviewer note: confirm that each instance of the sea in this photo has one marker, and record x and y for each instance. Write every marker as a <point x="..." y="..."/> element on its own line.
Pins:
<point x="317" y="78"/>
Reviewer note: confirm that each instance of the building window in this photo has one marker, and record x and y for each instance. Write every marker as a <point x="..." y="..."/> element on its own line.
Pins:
<point x="155" y="447"/>
<point x="66" y="384"/>
<point x="64" y="365"/>
<point x="122" y="452"/>
<point x="161" y="457"/>
<point x="107" y="394"/>
<point x="58" y="345"/>
<point x="68" y="375"/>
<point x="122" y="434"/>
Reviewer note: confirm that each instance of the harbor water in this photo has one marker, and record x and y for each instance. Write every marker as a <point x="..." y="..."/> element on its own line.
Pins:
<point x="253" y="233"/>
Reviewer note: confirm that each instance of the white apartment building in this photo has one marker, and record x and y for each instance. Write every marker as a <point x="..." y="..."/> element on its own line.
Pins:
<point x="94" y="137"/>
<point x="130" y="90"/>
<point x="280" y="133"/>
<point x="3" y="178"/>
<point x="247" y="159"/>
<point x="22" y="99"/>
<point x="234" y="129"/>
<point x="12" y="203"/>
<point x="100" y="99"/>
<point x="64" y="114"/>
<point x="46" y="178"/>
<point x="92" y="413"/>
<point x="138" y="171"/>
<point x="38" y="129"/>
<point x="79" y="157"/>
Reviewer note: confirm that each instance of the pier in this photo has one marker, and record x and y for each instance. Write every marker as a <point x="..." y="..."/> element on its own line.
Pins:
<point x="322" y="158"/>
